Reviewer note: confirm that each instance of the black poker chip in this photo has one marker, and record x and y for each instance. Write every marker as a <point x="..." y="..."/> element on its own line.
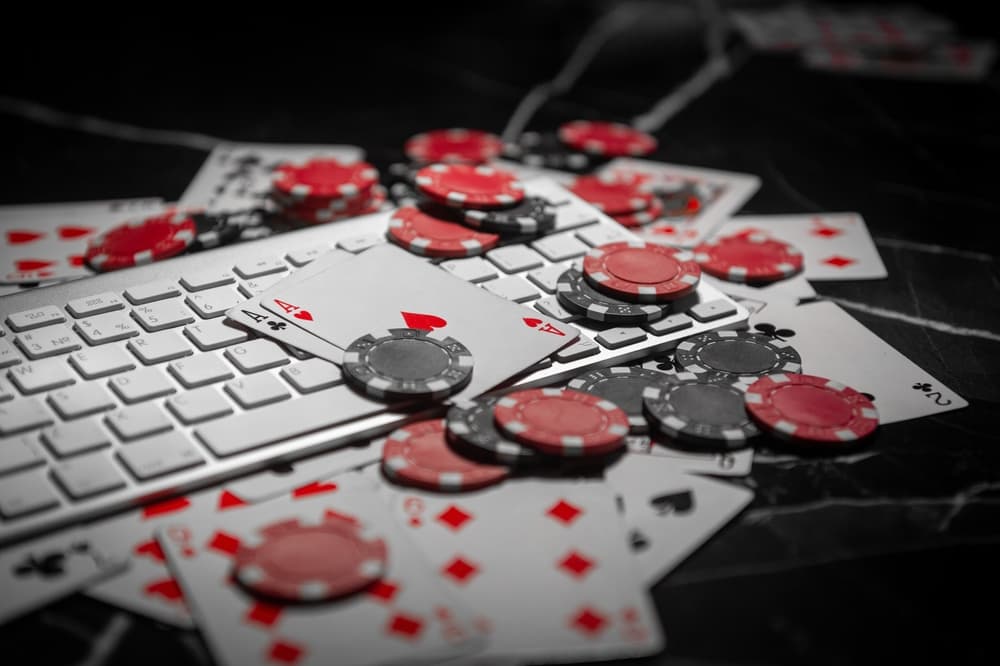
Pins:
<point x="622" y="385"/>
<point x="545" y="151"/>
<point x="703" y="415"/>
<point x="577" y="296"/>
<point x="531" y="215"/>
<point x="214" y="230"/>
<point x="736" y="353"/>
<point x="407" y="364"/>
<point x="472" y="431"/>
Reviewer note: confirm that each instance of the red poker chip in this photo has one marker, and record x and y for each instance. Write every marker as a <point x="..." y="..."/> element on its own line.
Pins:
<point x="469" y="186"/>
<point x="140" y="242"/>
<point x="562" y="422"/>
<point x="643" y="217"/>
<point x="607" y="139"/>
<point x="418" y="455"/>
<point x="297" y="562"/>
<point x="422" y="233"/>
<point x="613" y="195"/>
<point x="752" y="257"/>
<point x="453" y="145"/>
<point x="340" y="209"/>
<point x="807" y="409"/>
<point x="641" y="272"/>
<point x="323" y="179"/>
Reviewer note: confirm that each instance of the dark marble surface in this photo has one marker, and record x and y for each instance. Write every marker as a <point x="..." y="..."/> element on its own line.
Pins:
<point x="888" y="555"/>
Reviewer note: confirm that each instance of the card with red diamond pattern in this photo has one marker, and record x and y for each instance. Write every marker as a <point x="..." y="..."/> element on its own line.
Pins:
<point x="405" y="615"/>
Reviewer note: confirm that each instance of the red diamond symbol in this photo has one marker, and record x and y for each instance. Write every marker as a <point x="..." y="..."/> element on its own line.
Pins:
<point x="224" y="543"/>
<point x="588" y="621"/>
<point x="454" y="517"/>
<point x="564" y="512"/>
<point x="460" y="570"/>
<point x="407" y="626"/>
<point x="166" y="588"/>
<point x="383" y="590"/>
<point x="576" y="565"/>
<point x="284" y="653"/>
<point x="838" y="262"/>
<point x="264" y="614"/>
<point x="826" y="232"/>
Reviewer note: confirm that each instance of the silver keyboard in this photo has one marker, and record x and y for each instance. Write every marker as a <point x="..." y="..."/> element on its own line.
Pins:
<point x="128" y="387"/>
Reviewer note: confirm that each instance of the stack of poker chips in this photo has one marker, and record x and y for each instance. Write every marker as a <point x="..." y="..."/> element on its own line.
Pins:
<point x="324" y="190"/>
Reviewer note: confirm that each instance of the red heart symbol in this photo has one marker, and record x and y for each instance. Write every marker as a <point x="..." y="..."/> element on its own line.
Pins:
<point x="28" y="265"/>
<point x="424" y="322"/>
<point x="74" y="232"/>
<point x="166" y="588"/>
<point x="18" y="237"/>
<point x="151" y="549"/>
<point x="532" y="322"/>
<point x="75" y="260"/>
<point x="303" y="314"/>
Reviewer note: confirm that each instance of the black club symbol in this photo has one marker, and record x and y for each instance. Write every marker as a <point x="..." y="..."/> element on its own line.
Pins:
<point x="773" y="331"/>
<point x="277" y="325"/>
<point x="922" y="386"/>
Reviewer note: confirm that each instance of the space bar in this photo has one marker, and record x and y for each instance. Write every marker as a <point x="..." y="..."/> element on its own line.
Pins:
<point x="285" y="419"/>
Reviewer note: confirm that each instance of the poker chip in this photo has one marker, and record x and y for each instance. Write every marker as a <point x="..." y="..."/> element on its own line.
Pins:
<point x="429" y="235"/>
<point x="292" y="561"/>
<point x="562" y="422"/>
<point x="737" y="353"/>
<point x="418" y="455"/>
<point x="623" y="386"/>
<point x="807" y="409"/>
<point x="469" y="186"/>
<point x="577" y="295"/>
<point x="546" y="151"/>
<point x="642" y="272"/>
<point x="749" y="258"/>
<point x="406" y="364"/>
<point x="643" y="217"/>
<point x="323" y="179"/>
<point x="704" y="414"/>
<point x="453" y="145"/>
<point x="339" y="209"/>
<point x="139" y="242"/>
<point x="607" y="139"/>
<point x="213" y="230"/>
<point x="531" y="215"/>
<point x="470" y="424"/>
<point x="612" y="195"/>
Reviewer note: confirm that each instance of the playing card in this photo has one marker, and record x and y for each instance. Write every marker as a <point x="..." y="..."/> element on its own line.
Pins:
<point x="727" y="463"/>
<point x="405" y="617"/>
<point x="237" y="176"/>
<point x="835" y="345"/>
<point x="792" y="289"/>
<point x="390" y="288"/>
<point x="670" y="514"/>
<point x="953" y="60"/>
<point x="544" y="566"/>
<point x="38" y="572"/>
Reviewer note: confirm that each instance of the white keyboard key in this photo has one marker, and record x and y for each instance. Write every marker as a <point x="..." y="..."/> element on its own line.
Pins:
<point x="573" y="216"/>
<point x="252" y="268"/>
<point x="106" y="328"/>
<point x="513" y="288"/>
<point x="8" y="355"/>
<point x="138" y="421"/>
<point x="49" y="341"/>
<point x="257" y="355"/>
<point x="213" y="302"/>
<point x="69" y="439"/>
<point x="101" y="361"/>
<point x="259" y="285"/>
<point x="712" y="310"/>
<point x="26" y="493"/>
<point x="159" y="347"/>
<point x="151" y="291"/>
<point x="6" y="391"/>
<point x="41" y="375"/>
<point x="29" y="319"/>
<point x="473" y="269"/>
<point x="160" y="455"/>
<point x="208" y="335"/>
<point x="80" y="400"/>
<point x="19" y="453"/>
<point x="207" y="279"/>
<point x="94" y="305"/>
<point x="560" y="247"/>
<point x="141" y="384"/>
<point x="515" y="258"/>
<point x="162" y="315"/>
<point x="601" y="234"/>
<point x="199" y="405"/>
<point x="360" y="243"/>
<point x="86" y="476"/>
<point x="24" y="414"/>
<point x="581" y="348"/>
<point x="613" y="338"/>
<point x="312" y="375"/>
<point x="300" y="258"/>
<point x="256" y="390"/>
<point x="669" y="324"/>
<point x="547" y="278"/>
<point x="551" y="306"/>
<point x="200" y="370"/>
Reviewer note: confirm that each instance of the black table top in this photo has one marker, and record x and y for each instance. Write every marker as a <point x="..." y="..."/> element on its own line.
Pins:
<point x="838" y="560"/>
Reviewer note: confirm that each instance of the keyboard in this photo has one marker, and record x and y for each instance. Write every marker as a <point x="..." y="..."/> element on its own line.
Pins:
<point x="129" y="387"/>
